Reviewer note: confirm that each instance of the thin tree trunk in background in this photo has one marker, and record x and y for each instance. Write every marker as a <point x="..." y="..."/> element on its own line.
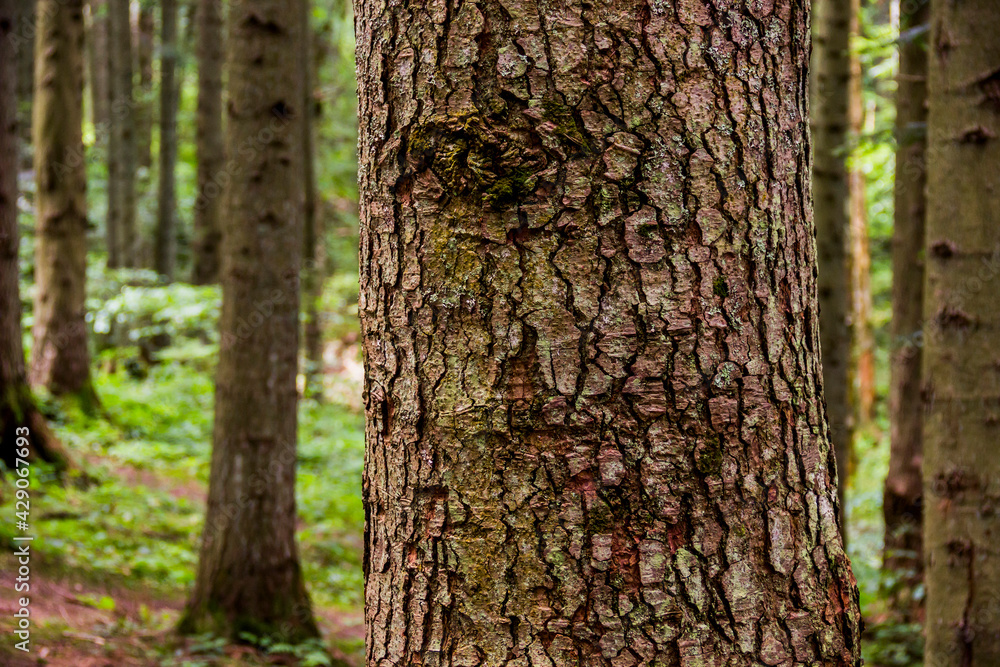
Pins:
<point x="19" y="416"/>
<point x="210" y="146"/>
<point x="595" y="429"/>
<point x="97" y="61"/>
<point x="60" y="361"/>
<point x="903" y="495"/>
<point x="831" y="77"/>
<point x="166" y="219"/>
<point x="961" y="370"/>
<point x="249" y="578"/>
<point x="25" y="54"/>
<point x="145" y="29"/>
<point x="121" y="226"/>
<point x="312" y="272"/>
<point x="862" y="332"/>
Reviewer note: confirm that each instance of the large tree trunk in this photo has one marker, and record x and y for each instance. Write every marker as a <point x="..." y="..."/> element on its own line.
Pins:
<point x="121" y="225"/>
<point x="144" y="42"/>
<point x="249" y="577"/>
<point x="862" y="333"/>
<point x="60" y="361"/>
<point x="19" y="416"/>
<point x="831" y="79"/>
<point x="312" y="272"/>
<point x="903" y="495"/>
<point x="210" y="148"/>
<point x="961" y="372"/>
<point x="166" y="218"/>
<point x="595" y="428"/>
<point x="97" y="60"/>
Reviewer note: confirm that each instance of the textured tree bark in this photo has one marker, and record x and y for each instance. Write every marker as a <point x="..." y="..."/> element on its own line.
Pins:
<point x="961" y="373"/>
<point x="830" y="115"/>
<point x="249" y="577"/>
<point x="210" y="145"/>
<point x="165" y="251"/>
<point x="17" y="405"/>
<point x="121" y="224"/>
<point x="312" y="269"/>
<point x="145" y="30"/>
<point x="903" y="496"/>
<point x="97" y="60"/>
<point x="60" y="361"/>
<point x="595" y="428"/>
<point x="862" y="333"/>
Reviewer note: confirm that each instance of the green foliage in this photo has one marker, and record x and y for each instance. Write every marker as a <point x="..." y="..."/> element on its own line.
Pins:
<point x="136" y="312"/>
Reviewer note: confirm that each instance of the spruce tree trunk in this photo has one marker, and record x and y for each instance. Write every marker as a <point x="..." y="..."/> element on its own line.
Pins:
<point x="60" y="361"/>
<point x="862" y="333"/>
<point x="830" y="117"/>
<point x="961" y="375"/>
<point x="166" y="218"/>
<point x="249" y="577"/>
<point x="97" y="61"/>
<point x="121" y="225"/>
<point x="903" y="496"/>
<point x="210" y="145"/>
<point x="595" y="428"/>
<point x="18" y="414"/>
<point x="145" y="29"/>
<point x="312" y="273"/>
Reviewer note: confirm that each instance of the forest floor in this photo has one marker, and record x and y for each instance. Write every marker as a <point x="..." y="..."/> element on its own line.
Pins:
<point x="80" y="622"/>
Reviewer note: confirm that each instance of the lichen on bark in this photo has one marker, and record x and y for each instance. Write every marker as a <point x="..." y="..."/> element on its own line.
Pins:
<point x="595" y="426"/>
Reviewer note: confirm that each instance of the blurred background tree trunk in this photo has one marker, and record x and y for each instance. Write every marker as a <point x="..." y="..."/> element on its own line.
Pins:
<point x="166" y="219"/>
<point x="121" y="226"/>
<point x="144" y="44"/>
<point x="210" y="40"/>
<point x="97" y="64"/>
<point x="862" y="333"/>
<point x="60" y="360"/>
<point x="312" y="269"/>
<point x="19" y="415"/>
<point x="249" y="577"/>
<point x="903" y="494"/>
<point x="830" y="115"/>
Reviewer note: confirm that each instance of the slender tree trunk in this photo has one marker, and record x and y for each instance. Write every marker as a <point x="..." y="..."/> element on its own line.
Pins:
<point x="249" y="577"/>
<point x="97" y="61"/>
<point x="145" y="29"/>
<point x="166" y="219"/>
<point x="961" y="372"/>
<point x="595" y="428"/>
<point x="19" y="416"/>
<point x="862" y="333"/>
<point x="903" y="496"/>
<point x="121" y="226"/>
<point x="312" y="274"/>
<point x="25" y="54"/>
<point x="60" y="361"/>
<point x="211" y="151"/>
<point x="830" y="129"/>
